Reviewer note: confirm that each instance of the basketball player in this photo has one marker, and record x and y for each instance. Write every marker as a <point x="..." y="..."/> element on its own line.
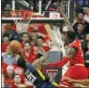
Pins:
<point x="73" y="51"/>
<point x="32" y="72"/>
<point x="74" y="56"/>
<point x="34" y="75"/>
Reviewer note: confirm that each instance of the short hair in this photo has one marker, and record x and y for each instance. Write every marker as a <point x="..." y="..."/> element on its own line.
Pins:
<point x="24" y="33"/>
<point x="21" y="62"/>
<point x="34" y="30"/>
<point x="40" y="37"/>
<point x="71" y="35"/>
<point x="80" y="13"/>
<point x="6" y="35"/>
<point x="28" y="42"/>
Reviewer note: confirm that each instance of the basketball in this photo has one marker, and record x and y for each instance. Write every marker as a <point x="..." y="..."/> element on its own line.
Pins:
<point x="15" y="46"/>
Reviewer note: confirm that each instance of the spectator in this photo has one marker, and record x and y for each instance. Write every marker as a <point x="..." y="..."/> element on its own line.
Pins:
<point x="5" y="42"/>
<point x="9" y="76"/>
<point x="25" y="38"/>
<point x="19" y="71"/>
<point x="17" y="80"/>
<point x="41" y="45"/>
<point x="85" y="42"/>
<point x="80" y="32"/>
<point x="7" y="7"/>
<point x="85" y="10"/>
<point x="15" y="36"/>
<point x="3" y="29"/>
<point x="38" y="32"/>
<point x="87" y="38"/>
<point x="34" y="35"/>
<point x="80" y="19"/>
<point x="11" y="31"/>
<point x="80" y="4"/>
<point x="8" y="57"/>
<point x="86" y="16"/>
<point x="28" y="52"/>
<point x="22" y="86"/>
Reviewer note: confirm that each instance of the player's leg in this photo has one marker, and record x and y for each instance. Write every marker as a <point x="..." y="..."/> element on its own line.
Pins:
<point x="48" y="85"/>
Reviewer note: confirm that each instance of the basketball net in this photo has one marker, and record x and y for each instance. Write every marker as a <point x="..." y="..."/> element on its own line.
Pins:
<point x="23" y="23"/>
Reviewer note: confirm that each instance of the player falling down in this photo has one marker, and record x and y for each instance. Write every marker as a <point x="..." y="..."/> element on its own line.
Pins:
<point x="32" y="73"/>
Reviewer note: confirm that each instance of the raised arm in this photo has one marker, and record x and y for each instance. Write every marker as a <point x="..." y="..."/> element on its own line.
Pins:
<point x="66" y="20"/>
<point x="41" y="60"/>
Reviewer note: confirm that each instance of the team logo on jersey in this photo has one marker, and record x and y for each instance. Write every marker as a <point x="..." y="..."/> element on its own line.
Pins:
<point x="52" y="74"/>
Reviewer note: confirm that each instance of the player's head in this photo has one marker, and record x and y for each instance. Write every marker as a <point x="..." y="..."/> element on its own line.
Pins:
<point x="27" y="46"/>
<point x="21" y="63"/>
<point x="10" y="71"/>
<point x="69" y="36"/>
<point x="80" y="16"/>
<point x="6" y="38"/>
<point x="17" y="78"/>
<point x="40" y="40"/>
<point x="8" y="50"/>
<point x="25" y="37"/>
<point x="35" y="32"/>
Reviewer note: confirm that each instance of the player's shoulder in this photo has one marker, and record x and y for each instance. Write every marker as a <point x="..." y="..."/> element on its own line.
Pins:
<point x="76" y="43"/>
<point x="30" y="67"/>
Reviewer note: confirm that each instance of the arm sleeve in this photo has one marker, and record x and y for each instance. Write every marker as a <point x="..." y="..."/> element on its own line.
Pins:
<point x="59" y="63"/>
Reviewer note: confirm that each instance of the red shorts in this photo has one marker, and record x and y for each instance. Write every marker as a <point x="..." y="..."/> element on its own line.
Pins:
<point x="78" y="71"/>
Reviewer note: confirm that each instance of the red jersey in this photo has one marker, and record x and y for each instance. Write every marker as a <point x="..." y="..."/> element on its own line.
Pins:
<point x="76" y="59"/>
<point x="31" y="57"/>
<point x="4" y="46"/>
<point x="4" y="66"/>
<point x="78" y="71"/>
<point x="9" y="82"/>
<point x="19" y="70"/>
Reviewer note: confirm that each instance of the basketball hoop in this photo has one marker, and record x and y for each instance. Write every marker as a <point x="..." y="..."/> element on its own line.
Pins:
<point x="23" y="23"/>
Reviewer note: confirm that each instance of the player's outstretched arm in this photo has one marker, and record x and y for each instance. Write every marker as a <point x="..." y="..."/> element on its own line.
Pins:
<point x="41" y="60"/>
<point x="66" y="20"/>
<point x="84" y="82"/>
<point x="70" y="51"/>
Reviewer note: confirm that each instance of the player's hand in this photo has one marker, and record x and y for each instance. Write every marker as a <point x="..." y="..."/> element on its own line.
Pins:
<point x="79" y="85"/>
<point x="45" y="64"/>
<point x="69" y="79"/>
<point x="36" y="63"/>
<point x="68" y="55"/>
<point x="70" y="52"/>
<point x="17" y="56"/>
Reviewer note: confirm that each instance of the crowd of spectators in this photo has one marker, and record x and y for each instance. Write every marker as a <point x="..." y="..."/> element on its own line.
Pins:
<point x="34" y="43"/>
